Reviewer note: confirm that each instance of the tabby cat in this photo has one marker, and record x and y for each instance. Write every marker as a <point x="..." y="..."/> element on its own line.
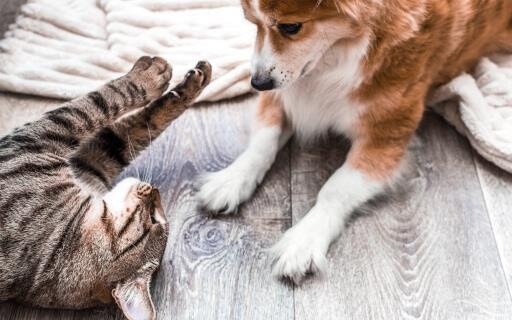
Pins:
<point x="67" y="239"/>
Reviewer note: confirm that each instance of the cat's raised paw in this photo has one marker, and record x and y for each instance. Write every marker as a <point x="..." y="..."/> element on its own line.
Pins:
<point x="194" y="82"/>
<point x="149" y="78"/>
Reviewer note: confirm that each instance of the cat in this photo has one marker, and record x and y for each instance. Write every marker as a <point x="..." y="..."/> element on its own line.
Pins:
<point x="67" y="238"/>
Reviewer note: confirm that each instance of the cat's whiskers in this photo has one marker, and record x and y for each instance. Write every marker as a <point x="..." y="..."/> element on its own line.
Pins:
<point x="149" y="168"/>
<point x="131" y="149"/>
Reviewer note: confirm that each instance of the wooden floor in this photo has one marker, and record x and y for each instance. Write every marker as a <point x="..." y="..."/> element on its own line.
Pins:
<point x="439" y="249"/>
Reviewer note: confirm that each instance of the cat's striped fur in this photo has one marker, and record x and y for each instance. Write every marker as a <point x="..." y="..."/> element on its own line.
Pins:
<point x="67" y="238"/>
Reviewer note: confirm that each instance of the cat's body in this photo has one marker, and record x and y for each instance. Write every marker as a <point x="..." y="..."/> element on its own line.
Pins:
<point x="67" y="239"/>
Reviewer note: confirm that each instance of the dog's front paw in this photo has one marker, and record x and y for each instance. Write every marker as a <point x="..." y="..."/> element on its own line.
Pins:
<point x="300" y="252"/>
<point x="148" y="79"/>
<point x="223" y="191"/>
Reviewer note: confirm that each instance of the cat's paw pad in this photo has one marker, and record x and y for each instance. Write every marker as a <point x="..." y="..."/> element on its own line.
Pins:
<point x="149" y="78"/>
<point x="194" y="82"/>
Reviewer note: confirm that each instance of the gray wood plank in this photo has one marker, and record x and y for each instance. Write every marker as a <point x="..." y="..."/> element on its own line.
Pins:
<point x="497" y="190"/>
<point x="17" y="109"/>
<point x="425" y="254"/>
<point x="216" y="268"/>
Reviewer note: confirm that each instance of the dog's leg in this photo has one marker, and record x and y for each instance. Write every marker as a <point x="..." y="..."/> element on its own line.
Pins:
<point x="303" y="248"/>
<point x="373" y="163"/>
<point x="221" y="192"/>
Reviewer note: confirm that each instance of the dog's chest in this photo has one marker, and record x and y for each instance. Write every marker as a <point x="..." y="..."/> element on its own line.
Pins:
<point x="321" y="101"/>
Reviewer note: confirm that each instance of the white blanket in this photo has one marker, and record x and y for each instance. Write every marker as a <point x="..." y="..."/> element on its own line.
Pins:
<point x="482" y="109"/>
<point x="65" y="48"/>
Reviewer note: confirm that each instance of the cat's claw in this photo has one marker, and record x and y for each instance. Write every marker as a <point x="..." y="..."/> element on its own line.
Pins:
<point x="194" y="82"/>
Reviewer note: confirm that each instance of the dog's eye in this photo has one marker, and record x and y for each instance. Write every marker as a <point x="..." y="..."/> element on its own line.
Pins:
<point x="289" y="28"/>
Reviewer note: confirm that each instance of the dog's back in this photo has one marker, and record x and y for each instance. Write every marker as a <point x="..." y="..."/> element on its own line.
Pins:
<point x="434" y="41"/>
<point x="472" y="29"/>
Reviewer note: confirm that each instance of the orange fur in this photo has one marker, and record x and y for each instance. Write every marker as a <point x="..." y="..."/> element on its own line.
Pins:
<point x="270" y="110"/>
<point x="400" y="70"/>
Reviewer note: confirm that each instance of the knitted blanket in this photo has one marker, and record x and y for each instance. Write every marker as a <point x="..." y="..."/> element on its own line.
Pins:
<point x="479" y="106"/>
<point x="65" y="48"/>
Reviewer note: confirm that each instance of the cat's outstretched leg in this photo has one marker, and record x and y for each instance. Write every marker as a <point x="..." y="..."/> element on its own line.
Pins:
<point x="101" y="158"/>
<point x="146" y="81"/>
<point x="60" y="131"/>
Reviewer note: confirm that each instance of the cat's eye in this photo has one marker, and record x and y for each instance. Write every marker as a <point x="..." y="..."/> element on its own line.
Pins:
<point x="289" y="29"/>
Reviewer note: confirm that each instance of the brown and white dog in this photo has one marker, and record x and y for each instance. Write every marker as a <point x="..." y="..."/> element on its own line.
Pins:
<point x="361" y="68"/>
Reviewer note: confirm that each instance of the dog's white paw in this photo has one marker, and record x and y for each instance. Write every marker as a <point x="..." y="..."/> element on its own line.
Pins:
<point x="298" y="254"/>
<point x="223" y="191"/>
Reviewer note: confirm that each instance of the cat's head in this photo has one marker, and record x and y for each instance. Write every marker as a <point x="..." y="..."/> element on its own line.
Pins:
<point x="121" y="246"/>
<point x="111" y="255"/>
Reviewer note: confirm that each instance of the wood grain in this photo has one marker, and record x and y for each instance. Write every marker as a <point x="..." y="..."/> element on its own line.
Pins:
<point x="216" y="268"/>
<point x="16" y="109"/>
<point x="497" y="190"/>
<point x="428" y="253"/>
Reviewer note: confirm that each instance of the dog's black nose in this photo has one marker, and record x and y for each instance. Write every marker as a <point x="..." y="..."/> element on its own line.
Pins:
<point x="263" y="83"/>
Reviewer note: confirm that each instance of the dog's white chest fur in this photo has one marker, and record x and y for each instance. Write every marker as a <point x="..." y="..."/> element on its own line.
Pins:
<point x="321" y="101"/>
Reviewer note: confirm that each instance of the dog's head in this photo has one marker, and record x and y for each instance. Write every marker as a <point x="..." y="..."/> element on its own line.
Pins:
<point x="293" y="35"/>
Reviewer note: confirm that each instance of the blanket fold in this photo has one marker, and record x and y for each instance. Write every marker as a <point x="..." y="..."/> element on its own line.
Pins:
<point x="482" y="109"/>
<point x="65" y="48"/>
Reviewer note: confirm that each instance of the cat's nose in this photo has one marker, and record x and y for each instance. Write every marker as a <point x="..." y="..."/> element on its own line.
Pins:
<point x="144" y="190"/>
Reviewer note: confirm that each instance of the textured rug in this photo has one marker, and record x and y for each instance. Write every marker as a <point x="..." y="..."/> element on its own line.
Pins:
<point x="65" y="48"/>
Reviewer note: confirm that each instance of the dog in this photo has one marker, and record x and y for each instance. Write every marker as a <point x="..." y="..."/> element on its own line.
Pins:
<point x="359" y="68"/>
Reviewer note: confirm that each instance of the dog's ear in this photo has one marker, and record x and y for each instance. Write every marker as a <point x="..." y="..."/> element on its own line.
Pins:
<point x="133" y="297"/>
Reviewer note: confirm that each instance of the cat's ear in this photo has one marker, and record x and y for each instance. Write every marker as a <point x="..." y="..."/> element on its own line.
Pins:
<point x="134" y="298"/>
